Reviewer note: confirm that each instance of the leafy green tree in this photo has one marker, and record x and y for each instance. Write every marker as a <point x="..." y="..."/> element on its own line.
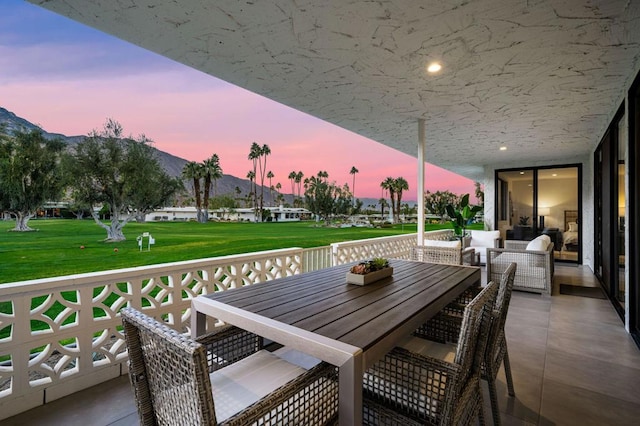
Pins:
<point x="122" y="174"/>
<point x="357" y="208"/>
<point x="479" y="192"/>
<point x="325" y="199"/>
<point x="157" y="194"/>
<point x="227" y="204"/>
<point x="30" y="174"/>
<point x="436" y="202"/>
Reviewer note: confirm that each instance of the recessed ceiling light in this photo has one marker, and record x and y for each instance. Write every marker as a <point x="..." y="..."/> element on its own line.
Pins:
<point x="434" y="67"/>
<point x="503" y="148"/>
<point x="555" y="174"/>
<point x="521" y="173"/>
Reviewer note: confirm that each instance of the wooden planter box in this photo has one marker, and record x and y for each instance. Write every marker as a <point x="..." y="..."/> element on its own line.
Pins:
<point x="370" y="277"/>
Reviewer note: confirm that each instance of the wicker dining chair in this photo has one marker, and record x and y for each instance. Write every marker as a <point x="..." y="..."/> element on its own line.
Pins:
<point x="407" y="388"/>
<point x="445" y="328"/>
<point x="224" y="378"/>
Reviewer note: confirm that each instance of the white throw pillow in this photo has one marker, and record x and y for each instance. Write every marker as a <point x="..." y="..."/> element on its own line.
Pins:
<point x="539" y="244"/>
<point x="546" y="238"/>
<point x="573" y="227"/>
<point x="438" y="243"/>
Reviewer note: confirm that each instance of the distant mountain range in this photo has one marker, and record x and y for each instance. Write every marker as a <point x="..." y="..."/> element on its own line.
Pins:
<point x="172" y="164"/>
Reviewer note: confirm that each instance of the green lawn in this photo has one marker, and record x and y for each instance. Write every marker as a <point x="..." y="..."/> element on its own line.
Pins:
<point x="55" y="249"/>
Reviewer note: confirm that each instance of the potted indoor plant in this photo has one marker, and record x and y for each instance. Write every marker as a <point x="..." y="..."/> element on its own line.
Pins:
<point x="462" y="217"/>
<point x="369" y="271"/>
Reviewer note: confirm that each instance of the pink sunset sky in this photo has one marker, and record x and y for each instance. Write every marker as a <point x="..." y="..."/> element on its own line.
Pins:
<point x="69" y="79"/>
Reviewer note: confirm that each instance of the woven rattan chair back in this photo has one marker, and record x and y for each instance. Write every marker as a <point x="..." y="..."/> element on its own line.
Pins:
<point x="168" y="372"/>
<point x="474" y="331"/>
<point x="501" y="307"/>
<point x="496" y="351"/>
<point x="436" y="254"/>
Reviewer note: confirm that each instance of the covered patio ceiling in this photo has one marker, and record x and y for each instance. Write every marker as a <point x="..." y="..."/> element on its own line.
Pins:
<point x="540" y="77"/>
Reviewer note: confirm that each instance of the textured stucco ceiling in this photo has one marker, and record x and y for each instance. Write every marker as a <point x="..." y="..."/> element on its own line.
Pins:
<point x="540" y="77"/>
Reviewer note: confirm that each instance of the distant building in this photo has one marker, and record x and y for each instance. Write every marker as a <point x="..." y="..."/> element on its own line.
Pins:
<point x="277" y="214"/>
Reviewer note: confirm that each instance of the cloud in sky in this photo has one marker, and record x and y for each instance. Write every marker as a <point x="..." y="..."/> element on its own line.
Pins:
<point x="69" y="78"/>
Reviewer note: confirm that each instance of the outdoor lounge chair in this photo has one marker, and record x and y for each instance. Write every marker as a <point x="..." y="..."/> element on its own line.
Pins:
<point x="481" y="240"/>
<point x="448" y="252"/>
<point x="445" y="328"/>
<point x="534" y="259"/>
<point x="407" y="387"/>
<point x="222" y="378"/>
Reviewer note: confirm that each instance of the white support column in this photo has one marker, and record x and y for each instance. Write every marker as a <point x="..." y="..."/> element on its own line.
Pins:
<point x="421" y="173"/>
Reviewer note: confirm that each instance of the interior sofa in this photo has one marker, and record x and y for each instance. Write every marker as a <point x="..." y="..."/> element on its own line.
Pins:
<point x="535" y="263"/>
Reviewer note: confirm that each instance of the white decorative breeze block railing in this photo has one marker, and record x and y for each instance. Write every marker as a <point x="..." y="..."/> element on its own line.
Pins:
<point x="61" y="335"/>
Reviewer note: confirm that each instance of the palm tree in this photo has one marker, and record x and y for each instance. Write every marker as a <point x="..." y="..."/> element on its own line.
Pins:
<point x="251" y="176"/>
<point x="388" y="184"/>
<point x="292" y="179"/>
<point x="262" y="164"/>
<point x="216" y="173"/>
<point x="353" y="172"/>
<point x="270" y="176"/>
<point x="254" y="155"/>
<point x="211" y="171"/>
<point x="383" y="203"/>
<point x="399" y="184"/>
<point x="298" y="181"/>
<point x="193" y="170"/>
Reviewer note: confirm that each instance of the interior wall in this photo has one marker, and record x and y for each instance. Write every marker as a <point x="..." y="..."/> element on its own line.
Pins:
<point x="559" y="195"/>
<point x="522" y="201"/>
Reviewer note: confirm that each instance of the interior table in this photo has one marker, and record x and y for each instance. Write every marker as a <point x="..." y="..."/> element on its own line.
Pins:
<point x="347" y="325"/>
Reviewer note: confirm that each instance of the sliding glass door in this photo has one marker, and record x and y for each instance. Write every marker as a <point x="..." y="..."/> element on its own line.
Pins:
<point x="610" y="205"/>
<point x="542" y="200"/>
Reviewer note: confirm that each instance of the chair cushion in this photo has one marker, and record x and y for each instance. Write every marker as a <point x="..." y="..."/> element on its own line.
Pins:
<point x="239" y="385"/>
<point x="438" y="243"/>
<point x="480" y="240"/>
<point x="428" y="348"/>
<point x="483" y="238"/>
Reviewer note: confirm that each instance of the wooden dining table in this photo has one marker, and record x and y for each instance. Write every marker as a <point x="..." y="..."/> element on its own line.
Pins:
<point x="347" y="325"/>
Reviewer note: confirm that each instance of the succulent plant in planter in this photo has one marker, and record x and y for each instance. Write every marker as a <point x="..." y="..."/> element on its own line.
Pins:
<point x="375" y="264"/>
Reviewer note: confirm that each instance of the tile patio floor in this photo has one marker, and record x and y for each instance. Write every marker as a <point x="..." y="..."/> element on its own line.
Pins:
<point x="572" y="363"/>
